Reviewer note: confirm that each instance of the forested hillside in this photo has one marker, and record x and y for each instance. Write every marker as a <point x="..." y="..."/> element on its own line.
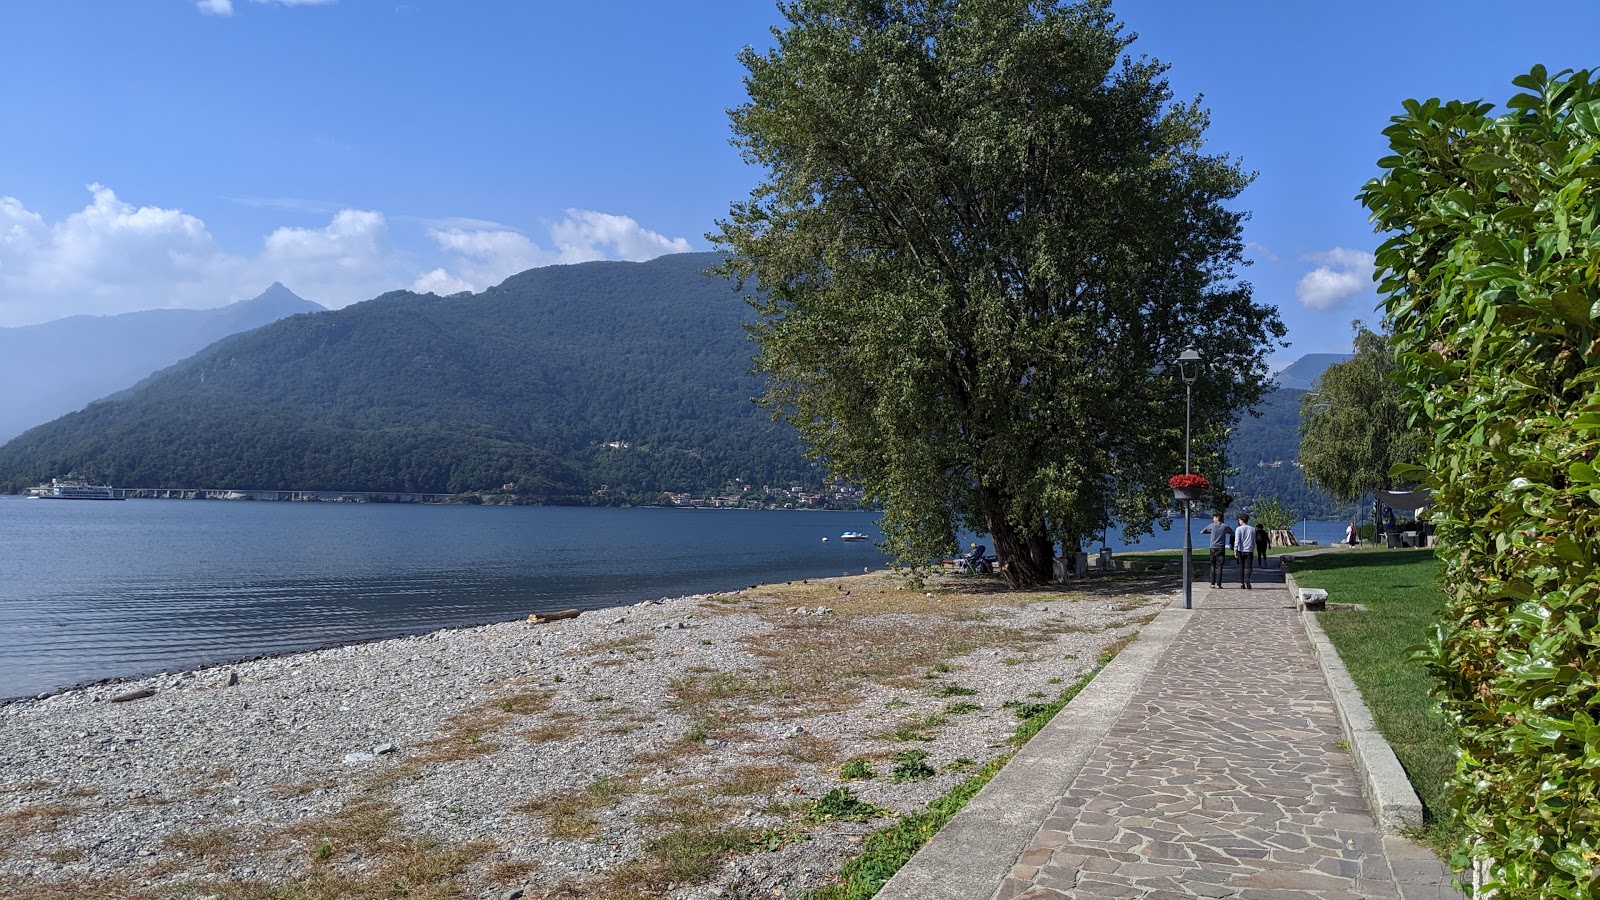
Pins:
<point x="609" y="378"/>
<point x="54" y="368"/>
<point x="1263" y="453"/>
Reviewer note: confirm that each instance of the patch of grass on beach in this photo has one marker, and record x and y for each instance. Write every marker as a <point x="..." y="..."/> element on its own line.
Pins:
<point x="810" y="749"/>
<point x="1403" y="600"/>
<point x="117" y="886"/>
<point x="570" y="814"/>
<point x="212" y="845"/>
<point x="753" y="778"/>
<point x="556" y="725"/>
<point x="414" y="868"/>
<point x="693" y="838"/>
<point x="27" y="821"/>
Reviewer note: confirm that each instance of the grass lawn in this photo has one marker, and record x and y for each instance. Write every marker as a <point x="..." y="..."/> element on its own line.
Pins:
<point x="1402" y="597"/>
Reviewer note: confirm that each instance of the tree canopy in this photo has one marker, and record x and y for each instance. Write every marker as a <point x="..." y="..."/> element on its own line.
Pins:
<point x="1356" y="426"/>
<point x="983" y="237"/>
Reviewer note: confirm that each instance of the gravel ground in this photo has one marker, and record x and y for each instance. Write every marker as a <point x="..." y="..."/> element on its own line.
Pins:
<point x="675" y="748"/>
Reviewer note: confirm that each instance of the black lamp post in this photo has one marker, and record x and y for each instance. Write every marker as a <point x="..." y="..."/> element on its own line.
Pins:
<point x="1189" y="368"/>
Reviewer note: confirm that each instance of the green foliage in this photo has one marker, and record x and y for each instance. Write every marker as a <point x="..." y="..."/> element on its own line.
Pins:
<point x="1492" y="276"/>
<point x="911" y="765"/>
<point x="884" y="852"/>
<point x="986" y="232"/>
<point x="1357" y="426"/>
<point x="840" y="804"/>
<point x="857" y="770"/>
<point x="530" y="382"/>
<point x="1273" y="516"/>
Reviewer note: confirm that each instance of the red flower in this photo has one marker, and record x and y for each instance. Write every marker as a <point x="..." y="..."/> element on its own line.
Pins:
<point x="1188" y="482"/>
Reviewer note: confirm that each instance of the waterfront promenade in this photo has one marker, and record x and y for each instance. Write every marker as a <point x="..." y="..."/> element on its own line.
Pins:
<point x="1207" y="760"/>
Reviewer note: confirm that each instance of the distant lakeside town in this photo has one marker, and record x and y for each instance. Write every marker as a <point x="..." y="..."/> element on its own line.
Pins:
<point x="838" y="496"/>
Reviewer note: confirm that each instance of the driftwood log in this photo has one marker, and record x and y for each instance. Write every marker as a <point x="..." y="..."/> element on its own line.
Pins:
<point x="134" y="695"/>
<point x="541" y="618"/>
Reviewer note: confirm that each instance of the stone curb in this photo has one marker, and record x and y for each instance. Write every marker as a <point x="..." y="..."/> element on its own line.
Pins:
<point x="1394" y="801"/>
<point x="974" y="852"/>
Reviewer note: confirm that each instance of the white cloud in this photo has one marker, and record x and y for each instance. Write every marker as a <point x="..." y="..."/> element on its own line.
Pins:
<point x="1261" y="251"/>
<point x="112" y="257"/>
<point x="584" y="235"/>
<point x="486" y="254"/>
<point x="225" y="7"/>
<point x="1344" y="273"/>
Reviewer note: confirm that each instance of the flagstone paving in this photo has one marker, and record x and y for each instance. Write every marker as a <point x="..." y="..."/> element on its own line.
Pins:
<point x="1226" y="776"/>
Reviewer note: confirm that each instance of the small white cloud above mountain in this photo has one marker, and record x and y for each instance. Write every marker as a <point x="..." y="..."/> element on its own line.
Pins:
<point x="1343" y="274"/>
<point x="585" y="235"/>
<point x="488" y="254"/>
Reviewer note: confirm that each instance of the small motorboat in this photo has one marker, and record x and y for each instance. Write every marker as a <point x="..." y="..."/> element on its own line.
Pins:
<point x="853" y="536"/>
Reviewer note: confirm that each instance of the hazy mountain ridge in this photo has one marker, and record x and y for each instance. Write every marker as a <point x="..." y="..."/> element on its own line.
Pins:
<point x="59" y="366"/>
<point x="1302" y="374"/>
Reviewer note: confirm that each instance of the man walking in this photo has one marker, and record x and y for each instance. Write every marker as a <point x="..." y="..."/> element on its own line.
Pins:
<point x="1263" y="541"/>
<point x="1244" y="548"/>
<point x="1221" y="534"/>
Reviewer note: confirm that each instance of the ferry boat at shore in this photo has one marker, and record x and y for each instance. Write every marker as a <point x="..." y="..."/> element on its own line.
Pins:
<point x="75" y="490"/>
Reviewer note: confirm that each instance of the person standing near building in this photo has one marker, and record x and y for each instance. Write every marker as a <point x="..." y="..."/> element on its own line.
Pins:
<point x="1244" y="549"/>
<point x="1221" y="536"/>
<point x="1263" y="540"/>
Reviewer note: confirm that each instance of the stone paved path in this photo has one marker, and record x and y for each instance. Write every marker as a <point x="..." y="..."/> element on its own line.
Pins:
<point x="1226" y="776"/>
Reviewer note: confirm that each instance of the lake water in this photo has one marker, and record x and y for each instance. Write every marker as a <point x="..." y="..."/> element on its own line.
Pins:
<point x="95" y="590"/>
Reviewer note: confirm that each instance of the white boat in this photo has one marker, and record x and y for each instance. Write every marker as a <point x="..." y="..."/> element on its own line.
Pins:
<point x="77" y="490"/>
<point x="853" y="536"/>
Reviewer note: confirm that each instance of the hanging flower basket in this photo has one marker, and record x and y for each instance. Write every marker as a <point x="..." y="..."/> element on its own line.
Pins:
<point x="1188" y="487"/>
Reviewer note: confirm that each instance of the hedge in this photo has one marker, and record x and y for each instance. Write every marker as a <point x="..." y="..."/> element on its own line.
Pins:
<point x="1489" y="275"/>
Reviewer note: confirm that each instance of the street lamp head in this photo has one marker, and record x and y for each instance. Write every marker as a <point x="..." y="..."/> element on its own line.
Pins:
<point x="1189" y="365"/>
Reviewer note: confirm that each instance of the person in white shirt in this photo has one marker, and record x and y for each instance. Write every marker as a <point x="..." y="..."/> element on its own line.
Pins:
<point x="1244" y="549"/>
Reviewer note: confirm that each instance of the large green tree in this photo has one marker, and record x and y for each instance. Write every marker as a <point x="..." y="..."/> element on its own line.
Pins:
<point x="1491" y="269"/>
<point x="983" y="237"/>
<point x="1357" y="425"/>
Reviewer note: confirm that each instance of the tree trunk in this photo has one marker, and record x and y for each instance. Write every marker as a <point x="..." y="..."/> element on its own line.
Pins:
<point x="1027" y="556"/>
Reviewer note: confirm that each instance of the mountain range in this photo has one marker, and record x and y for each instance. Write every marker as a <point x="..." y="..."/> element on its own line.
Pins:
<point x="57" y="367"/>
<point x="569" y="382"/>
<point x="599" y="382"/>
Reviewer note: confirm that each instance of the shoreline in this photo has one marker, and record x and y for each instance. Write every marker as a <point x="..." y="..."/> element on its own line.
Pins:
<point x="555" y="758"/>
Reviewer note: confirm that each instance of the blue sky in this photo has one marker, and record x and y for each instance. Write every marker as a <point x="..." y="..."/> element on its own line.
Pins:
<point x="190" y="152"/>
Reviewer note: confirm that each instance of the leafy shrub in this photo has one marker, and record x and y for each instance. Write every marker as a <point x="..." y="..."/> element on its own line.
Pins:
<point x="842" y="805"/>
<point x="1492" y="282"/>
<point x="911" y="765"/>
<point x="857" y="770"/>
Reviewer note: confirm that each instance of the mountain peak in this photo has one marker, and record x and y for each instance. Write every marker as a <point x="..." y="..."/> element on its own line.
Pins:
<point x="1302" y="374"/>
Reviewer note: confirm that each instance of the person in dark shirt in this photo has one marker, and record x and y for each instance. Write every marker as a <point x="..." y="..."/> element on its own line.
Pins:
<point x="1221" y="536"/>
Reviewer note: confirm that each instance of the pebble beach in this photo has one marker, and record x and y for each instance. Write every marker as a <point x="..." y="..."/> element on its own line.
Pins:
<point x="685" y="747"/>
